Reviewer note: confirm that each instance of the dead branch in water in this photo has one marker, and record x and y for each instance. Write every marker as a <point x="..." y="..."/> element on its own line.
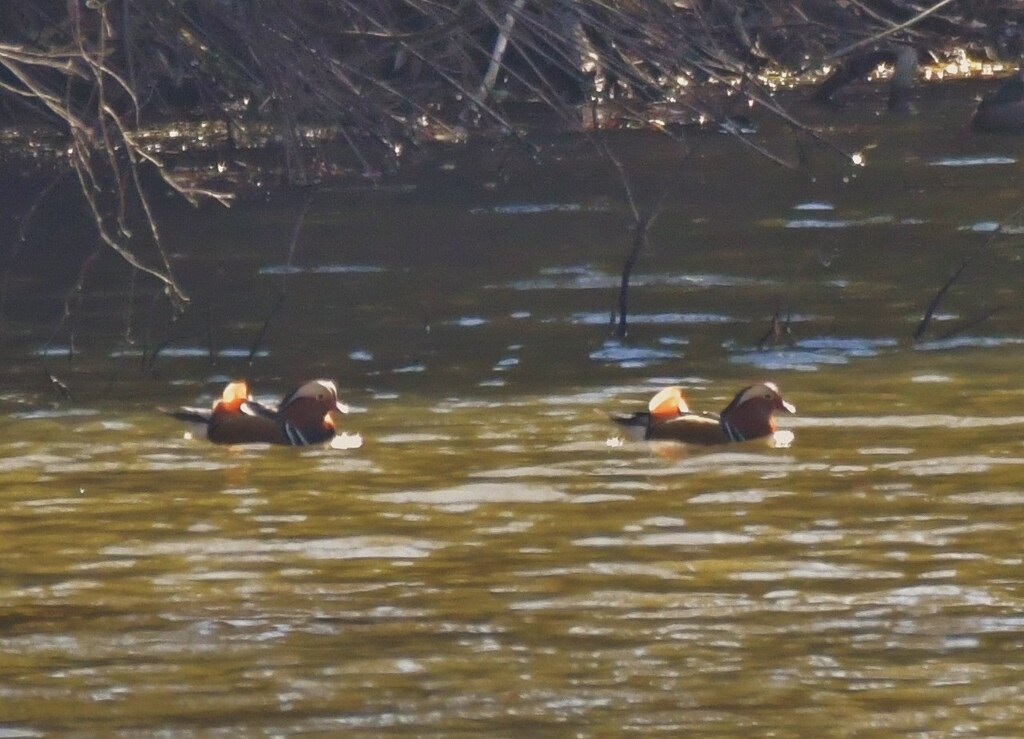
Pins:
<point x="641" y="227"/>
<point x="968" y="325"/>
<point x="777" y="331"/>
<point x="642" y="220"/>
<point x="922" y="326"/>
<point x="299" y="221"/>
<point x="936" y="300"/>
<point x="933" y="304"/>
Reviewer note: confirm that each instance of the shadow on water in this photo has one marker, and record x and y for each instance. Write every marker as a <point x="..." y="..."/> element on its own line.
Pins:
<point x="495" y="558"/>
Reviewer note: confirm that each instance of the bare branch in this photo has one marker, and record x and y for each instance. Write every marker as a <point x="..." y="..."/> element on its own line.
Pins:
<point x="888" y="31"/>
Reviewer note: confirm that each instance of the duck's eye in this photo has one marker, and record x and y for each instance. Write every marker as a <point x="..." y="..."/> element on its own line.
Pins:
<point x="767" y="396"/>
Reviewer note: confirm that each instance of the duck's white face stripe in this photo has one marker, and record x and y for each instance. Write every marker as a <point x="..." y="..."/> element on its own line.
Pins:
<point x="759" y="391"/>
<point x="329" y="384"/>
<point x="316" y="388"/>
<point x="333" y="390"/>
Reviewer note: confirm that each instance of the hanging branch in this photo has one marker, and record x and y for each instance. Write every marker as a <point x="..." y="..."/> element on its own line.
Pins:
<point x="106" y="141"/>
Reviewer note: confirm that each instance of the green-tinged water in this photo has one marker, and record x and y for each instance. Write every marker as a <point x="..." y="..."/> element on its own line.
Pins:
<point x="494" y="560"/>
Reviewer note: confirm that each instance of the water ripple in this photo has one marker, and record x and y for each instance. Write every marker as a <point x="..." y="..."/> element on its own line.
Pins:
<point x="994" y="498"/>
<point x="587" y="277"/>
<point x="972" y="161"/>
<point x="738" y="496"/>
<point x="684" y="319"/>
<point x="815" y="571"/>
<point x="905" y="422"/>
<point x="807" y="354"/>
<point x="615" y="353"/>
<point x="326" y="269"/>
<point x="352" y="547"/>
<point x="474" y="494"/>
<point x="952" y="465"/>
<point x="680" y="538"/>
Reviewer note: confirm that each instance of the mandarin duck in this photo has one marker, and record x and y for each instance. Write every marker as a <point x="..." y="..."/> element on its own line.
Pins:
<point x="302" y="417"/>
<point x="750" y="415"/>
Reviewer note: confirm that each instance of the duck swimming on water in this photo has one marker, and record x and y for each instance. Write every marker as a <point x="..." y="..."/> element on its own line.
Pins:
<point x="750" y="415"/>
<point x="303" y="416"/>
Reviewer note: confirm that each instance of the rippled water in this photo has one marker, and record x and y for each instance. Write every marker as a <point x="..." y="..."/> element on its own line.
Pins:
<point x="495" y="560"/>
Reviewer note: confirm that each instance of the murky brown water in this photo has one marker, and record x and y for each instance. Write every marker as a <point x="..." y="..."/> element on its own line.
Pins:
<point x="491" y="561"/>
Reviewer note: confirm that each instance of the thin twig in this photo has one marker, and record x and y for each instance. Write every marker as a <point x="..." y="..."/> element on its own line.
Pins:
<point x="933" y="305"/>
<point x="888" y="31"/>
<point x="777" y="329"/>
<point x="968" y="325"/>
<point x="57" y="384"/>
<point x="299" y="221"/>
<point x="640" y="230"/>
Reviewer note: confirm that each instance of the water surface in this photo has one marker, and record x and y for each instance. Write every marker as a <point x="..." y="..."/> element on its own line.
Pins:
<point x="495" y="560"/>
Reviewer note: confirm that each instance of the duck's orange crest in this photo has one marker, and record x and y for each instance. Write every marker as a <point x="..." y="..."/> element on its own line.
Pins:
<point x="235" y="390"/>
<point x="667" y="403"/>
<point x="235" y="393"/>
